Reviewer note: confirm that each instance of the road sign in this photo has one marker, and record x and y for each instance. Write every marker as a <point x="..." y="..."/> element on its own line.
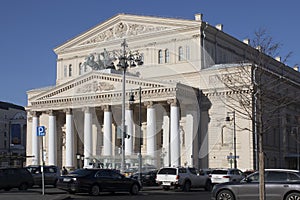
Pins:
<point x="41" y="131"/>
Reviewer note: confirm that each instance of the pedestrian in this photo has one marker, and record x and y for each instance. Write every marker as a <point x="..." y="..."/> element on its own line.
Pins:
<point x="64" y="171"/>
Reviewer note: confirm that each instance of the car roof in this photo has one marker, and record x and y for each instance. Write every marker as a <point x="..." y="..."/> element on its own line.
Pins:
<point x="284" y="170"/>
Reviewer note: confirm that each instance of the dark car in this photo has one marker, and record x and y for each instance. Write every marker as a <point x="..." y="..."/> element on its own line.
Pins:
<point x="280" y="184"/>
<point x="51" y="174"/>
<point x="147" y="178"/>
<point x="15" y="178"/>
<point x="95" y="181"/>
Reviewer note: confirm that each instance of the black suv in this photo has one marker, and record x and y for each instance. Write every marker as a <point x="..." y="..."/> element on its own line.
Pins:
<point x="15" y="178"/>
<point x="51" y="174"/>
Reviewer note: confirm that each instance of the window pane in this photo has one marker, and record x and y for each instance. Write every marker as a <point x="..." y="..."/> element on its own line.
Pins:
<point x="160" y="57"/>
<point x="167" y="56"/>
<point x="180" y="53"/>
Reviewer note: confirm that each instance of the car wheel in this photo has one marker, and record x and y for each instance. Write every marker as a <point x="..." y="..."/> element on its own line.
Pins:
<point x="95" y="190"/>
<point x="23" y="186"/>
<point x="187" y="186"/>
<point x="134" y="189"/>
<point x="55" y="183"/>
<point x="225" y="195"/>
<point x="208" y="186"/>
<point x="293" y="196"/>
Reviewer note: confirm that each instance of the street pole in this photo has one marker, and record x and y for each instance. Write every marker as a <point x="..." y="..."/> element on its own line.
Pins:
<point x="125" y="60"/>
<point x="297" y="148"/>
<point x="140" y="135"/>
<point x="139" y="154"/>
<point x="234" y="141"/>
<point x="234" y="137"/>
<point x="123" y="64"/>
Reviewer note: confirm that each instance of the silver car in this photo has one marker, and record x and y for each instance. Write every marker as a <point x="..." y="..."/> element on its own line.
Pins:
<point x="226" y="175"/>
<point x="280" y="184"/>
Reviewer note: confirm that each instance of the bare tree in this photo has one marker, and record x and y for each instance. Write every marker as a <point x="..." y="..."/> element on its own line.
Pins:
<point x="258" y="91"/>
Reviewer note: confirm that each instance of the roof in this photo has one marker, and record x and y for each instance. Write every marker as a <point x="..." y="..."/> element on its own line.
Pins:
<point x="6" y="106"/>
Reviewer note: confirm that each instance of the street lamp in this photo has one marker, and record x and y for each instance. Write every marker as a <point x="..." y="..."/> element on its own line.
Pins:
<point x="78" y="156"/>
<point x="228" y="119"/>
<point x="126" y="59"/>
<point x="131" y="100"/>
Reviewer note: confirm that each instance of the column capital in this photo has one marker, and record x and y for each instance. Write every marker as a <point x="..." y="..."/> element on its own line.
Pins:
<point x="149" y="104"/>
<point x="68" y="111"/>
<point x="86" y="109"/>
<point x="106" y="108"/>
<point x="51" y="112"/>
<point x="129" y="106"/>
<point x="173" y="102"/>
<point x="35" y="113"/>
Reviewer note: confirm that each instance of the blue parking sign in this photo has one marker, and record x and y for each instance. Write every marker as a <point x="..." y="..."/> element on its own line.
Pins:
<point x="41" y="131"/>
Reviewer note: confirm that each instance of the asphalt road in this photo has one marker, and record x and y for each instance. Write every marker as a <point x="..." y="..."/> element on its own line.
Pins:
<point x="148" y="193"/>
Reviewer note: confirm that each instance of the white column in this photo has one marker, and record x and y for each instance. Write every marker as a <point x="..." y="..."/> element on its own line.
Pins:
<point x="166" y="141"/>
<point x="191" y="137"/>
<point x="35" y="140"/>
<point x="151" y="131"/>
<point x="69" y="139"/>
<point x="88" y="148"/>
<point x="107" y="140"/>
<point x="129" y="131"/>
<point x="52" y="143"/>
<point x="175" y="135"/>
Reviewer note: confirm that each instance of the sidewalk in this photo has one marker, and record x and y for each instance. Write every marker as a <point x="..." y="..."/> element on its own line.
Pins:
<point x="34" y="194"/>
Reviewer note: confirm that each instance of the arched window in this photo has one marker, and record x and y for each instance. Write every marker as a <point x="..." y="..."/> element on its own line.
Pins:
<point x="188" y="53"/>
<point x="65" y="71"/>
<point x="80" y="69"/>
<point x="70" y="70"/>
<point x="180" y="53"/>
<point x="167" y="56"/>
<point x="160" y="57"/>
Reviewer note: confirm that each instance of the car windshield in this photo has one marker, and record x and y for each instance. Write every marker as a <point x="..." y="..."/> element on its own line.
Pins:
<point x="167" y="171"/>
<point x="81" y="172"/>
<point x="219" y="171"/>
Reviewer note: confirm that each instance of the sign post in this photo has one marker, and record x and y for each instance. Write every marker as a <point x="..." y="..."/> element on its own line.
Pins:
<point x="41" y="131"/>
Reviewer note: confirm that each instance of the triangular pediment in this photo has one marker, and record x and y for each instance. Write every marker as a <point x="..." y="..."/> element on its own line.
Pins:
<point x="124" y="26"/>
<point x="97" y="82"/>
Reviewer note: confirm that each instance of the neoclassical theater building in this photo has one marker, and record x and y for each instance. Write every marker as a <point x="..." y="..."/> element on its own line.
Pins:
<point x="178" y="116"/>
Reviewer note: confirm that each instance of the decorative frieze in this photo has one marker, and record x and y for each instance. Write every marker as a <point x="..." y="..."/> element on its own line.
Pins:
<point x="123" y="29"/>
<point x="95" y="86"/>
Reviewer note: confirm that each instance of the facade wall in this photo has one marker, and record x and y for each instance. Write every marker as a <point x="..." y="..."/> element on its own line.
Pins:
<point x="207" y="53"/>
<point x="12" y="134"/>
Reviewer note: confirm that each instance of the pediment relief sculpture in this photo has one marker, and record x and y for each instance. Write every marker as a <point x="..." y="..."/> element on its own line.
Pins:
<point x="95" y="86"/>
<point x="123" y="29"/>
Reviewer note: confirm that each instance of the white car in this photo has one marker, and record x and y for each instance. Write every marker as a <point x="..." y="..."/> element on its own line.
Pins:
<point x="182" y="177"/>
<point x="226" y="175"/>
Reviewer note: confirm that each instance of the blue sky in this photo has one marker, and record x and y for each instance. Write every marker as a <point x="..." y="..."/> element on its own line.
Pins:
<point x="31" y="29"/>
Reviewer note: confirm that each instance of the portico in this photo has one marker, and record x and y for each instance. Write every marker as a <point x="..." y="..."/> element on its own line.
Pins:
<point x="83" y="117"/>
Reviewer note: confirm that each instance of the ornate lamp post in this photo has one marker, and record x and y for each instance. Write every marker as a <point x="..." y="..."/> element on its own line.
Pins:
<point x="228" y="119"/>
<point x="131" y="100"/>
<point x="126" y="59"/>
